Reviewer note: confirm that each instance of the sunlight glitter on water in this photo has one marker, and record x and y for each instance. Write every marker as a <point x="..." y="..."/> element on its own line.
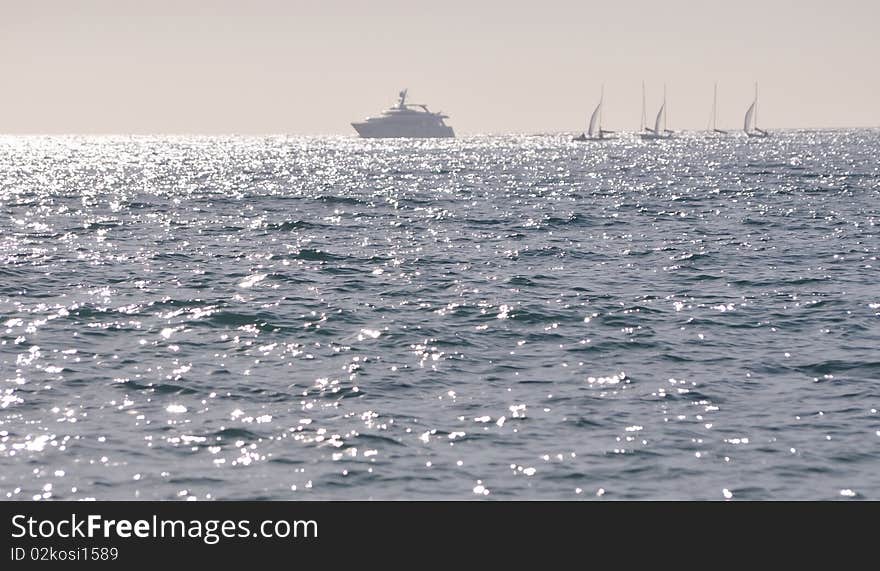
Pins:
<point x="337" y="318"/>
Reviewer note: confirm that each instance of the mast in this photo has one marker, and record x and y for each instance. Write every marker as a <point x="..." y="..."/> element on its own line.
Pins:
<point x="714" y="127"/>
<point x="665" y="112"/>
<point x="644" y="117"/>
<point x="402" y="103"/>
<point x="756" y="106"/>
<point x="601" y="101"/>
<point x="715" y="108"/>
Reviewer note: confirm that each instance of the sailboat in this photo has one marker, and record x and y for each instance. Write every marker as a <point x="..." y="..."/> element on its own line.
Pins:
<point x="659" y="131"/>
<point x="750" y="123"/>
<point x="713" y="126"/>
<point x="595" y="132"/>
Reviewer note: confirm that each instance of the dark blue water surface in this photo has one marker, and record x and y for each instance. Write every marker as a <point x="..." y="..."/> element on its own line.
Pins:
<point x="489" y="317"/>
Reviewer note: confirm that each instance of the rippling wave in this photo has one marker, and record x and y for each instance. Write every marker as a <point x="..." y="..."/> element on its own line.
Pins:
<point x="486" y="317"/>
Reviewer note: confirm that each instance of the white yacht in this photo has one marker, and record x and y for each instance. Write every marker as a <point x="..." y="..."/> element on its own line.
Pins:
<point x="405" y="120"/>
<point x="750" y="122"/>
<point x="713" y="125"/>
<point x="659" y="131"/>
<point x="595" y="132"/>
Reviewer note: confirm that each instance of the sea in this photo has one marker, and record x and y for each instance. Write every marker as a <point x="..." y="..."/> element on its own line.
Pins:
<point x="512" y="317"/>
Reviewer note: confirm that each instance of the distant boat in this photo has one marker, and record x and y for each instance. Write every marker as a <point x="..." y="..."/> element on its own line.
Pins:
<point x="404" y="120"/>
<point x="595" y="132"/>
<point x="713" y="126"/>
<point x="750" y="123"/>
<point x="659" y="131"/>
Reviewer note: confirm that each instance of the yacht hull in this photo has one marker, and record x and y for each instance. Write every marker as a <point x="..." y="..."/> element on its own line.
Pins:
<point x="378" y="130"/>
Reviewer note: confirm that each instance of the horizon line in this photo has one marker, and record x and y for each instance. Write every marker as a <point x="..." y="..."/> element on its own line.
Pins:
<point x="355" y="136"/>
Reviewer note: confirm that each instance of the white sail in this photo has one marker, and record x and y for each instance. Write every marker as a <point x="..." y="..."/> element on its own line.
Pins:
<point x="594" y="120"/>
<point x="658" y="122"/>
<point x="747" y="122"/>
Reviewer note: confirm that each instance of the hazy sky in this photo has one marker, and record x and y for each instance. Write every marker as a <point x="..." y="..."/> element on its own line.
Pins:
<point x="312" y="67"/>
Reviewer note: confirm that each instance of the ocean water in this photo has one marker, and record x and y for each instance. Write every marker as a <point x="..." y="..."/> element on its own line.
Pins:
<point x="511" y="317"/>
